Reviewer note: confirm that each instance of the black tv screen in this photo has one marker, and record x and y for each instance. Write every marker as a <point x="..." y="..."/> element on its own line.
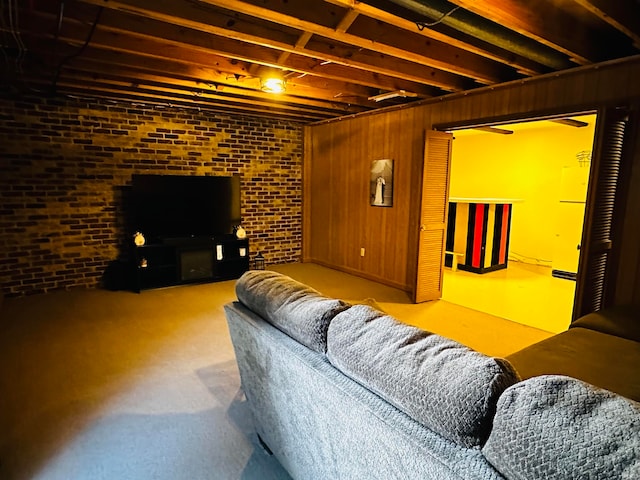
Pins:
<point x="178" y="206"/>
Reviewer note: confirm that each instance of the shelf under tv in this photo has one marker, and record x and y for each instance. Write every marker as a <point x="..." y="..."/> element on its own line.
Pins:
<point x="183" y="260"/>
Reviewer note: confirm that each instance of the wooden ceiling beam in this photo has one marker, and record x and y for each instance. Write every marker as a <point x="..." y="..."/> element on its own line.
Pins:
<point x="518" y="62"/>
<point x="90" y="70"/>
<point x="334" y="54"/>
<point x="181" y="44"/>
<point x="616" y="14"/>
<point x="300" y="43"/>
<point x="411" y="47"/>
<point x="121" y="96"/>
<point x="130" y="74"/>
<point x="250" y="91"/>
<point x="311" y="90"/>
<point x="564" y="34"/>
<point x="109" y="83"/>
<point x="347" y="20"/>
<point x="282" y="37"/>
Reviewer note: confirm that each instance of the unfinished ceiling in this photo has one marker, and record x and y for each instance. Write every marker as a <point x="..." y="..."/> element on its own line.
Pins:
<point x="337" y="57"/>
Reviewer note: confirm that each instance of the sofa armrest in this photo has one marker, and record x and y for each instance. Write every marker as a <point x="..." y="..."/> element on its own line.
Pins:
<point x="621" y="321"/>
<point x="600" y="359"/>
<point x="560" y="428"/>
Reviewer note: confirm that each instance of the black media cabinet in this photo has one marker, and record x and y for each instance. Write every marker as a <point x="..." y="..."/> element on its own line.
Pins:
<point x="177" y="261"/>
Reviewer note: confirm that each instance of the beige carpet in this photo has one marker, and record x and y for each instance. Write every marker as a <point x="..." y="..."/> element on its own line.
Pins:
<point x="486" y="333"/>
<point x="116" y="385"/>
<point x="98" y="384"/>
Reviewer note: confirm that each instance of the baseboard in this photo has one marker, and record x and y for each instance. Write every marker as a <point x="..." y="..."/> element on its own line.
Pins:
<point x="564" y="274"/>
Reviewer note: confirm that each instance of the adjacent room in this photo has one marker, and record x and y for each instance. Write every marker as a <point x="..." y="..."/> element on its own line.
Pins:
<point x="541" y="169"/>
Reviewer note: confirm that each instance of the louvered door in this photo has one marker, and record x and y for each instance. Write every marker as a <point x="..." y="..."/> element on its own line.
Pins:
<point x="595" y="268"/>
<point x="433" y="216"/>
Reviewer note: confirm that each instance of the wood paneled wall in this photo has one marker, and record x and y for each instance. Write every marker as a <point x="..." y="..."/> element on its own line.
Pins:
<point x="338" y="218"/>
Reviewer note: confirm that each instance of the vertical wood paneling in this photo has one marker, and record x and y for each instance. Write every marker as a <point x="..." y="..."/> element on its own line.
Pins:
<point x="306" y="196"/>
<point x="399" y="134"/>
<point x="339" y="195"/>
<point x="319" y="171"/>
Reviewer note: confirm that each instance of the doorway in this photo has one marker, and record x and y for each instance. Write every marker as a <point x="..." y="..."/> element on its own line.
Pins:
<point x="542" y="169"/>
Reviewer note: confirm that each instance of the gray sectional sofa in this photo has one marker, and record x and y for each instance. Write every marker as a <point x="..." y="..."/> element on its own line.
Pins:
<point x="340" y="391"/>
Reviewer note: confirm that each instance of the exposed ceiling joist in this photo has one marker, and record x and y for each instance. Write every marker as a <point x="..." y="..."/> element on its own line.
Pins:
<point x="338" y="56"/>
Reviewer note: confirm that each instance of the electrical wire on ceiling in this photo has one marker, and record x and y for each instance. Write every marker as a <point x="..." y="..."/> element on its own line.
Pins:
<point x="13" y="28"/>
<point x="58" y="29"/>
<point x="4" y="30"/>
<point x="422" y="25"/>
<point x="78" y="52"/>
<point x="13" y="24"/>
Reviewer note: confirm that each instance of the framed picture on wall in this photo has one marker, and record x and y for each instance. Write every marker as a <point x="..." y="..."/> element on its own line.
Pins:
<point x="381" y="190"/>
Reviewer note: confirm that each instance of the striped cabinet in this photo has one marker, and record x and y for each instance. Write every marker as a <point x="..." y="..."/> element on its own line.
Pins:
<point x="478" y="235"/>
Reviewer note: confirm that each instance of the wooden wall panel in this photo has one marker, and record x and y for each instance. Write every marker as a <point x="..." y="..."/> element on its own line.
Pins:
<point x="398" y="133"/>
<point x="347" y="149"/>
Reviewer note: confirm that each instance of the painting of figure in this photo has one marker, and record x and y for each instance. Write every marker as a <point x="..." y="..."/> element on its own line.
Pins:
<point x="381" y="183"/>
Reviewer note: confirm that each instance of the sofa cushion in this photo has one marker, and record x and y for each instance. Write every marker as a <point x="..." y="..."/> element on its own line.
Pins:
<point x="621" y="321"/>
<point x="559" y="428"/>
<point x="440" y="383"/>
<point x="293" y="307"/>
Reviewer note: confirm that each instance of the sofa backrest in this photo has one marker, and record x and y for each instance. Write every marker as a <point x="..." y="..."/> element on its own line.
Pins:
<point x="293" y="307"/>
<point x="320" y="424"/>
<point x="560" y="428"/>
<point x="442" y="384"/>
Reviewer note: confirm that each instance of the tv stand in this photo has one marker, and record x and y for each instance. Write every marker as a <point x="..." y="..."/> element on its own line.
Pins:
<point x="182" y="241"/>
<point x="177" y="261"/>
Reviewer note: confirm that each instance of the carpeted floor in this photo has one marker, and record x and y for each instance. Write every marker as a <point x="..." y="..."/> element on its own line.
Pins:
<point x="97" y="384"/>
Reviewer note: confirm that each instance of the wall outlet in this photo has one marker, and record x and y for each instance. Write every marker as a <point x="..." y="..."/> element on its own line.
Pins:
<point x="362" y="252"/>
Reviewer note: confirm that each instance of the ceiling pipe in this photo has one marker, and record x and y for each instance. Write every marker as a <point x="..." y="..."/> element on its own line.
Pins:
<point x="445" y="13"/>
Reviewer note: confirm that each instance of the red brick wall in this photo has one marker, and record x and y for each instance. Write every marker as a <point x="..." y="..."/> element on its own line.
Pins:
<point x="66" y="165"/>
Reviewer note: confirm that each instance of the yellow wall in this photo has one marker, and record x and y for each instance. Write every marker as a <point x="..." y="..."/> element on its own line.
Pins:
<point x="526" y="165"/>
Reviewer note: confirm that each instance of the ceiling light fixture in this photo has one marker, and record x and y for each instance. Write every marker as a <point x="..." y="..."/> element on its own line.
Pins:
<point x="394" y="94"/>
<point x="272" y="81"/>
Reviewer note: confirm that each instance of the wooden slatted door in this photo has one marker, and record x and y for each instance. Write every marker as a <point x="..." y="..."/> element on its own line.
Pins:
<point x="433" y="216"/>
<point x="596" y="276"/>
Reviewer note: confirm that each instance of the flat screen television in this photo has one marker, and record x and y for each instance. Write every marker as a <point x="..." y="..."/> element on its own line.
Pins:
<point x="181" y="206"/>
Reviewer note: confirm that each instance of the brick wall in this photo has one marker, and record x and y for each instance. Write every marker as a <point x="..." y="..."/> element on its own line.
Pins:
<point x="66" y="165"/>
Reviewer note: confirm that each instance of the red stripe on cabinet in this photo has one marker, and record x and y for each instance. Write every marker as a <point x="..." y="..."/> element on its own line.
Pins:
<point x="477" y="235"/>
<point x="503" y="233"/>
